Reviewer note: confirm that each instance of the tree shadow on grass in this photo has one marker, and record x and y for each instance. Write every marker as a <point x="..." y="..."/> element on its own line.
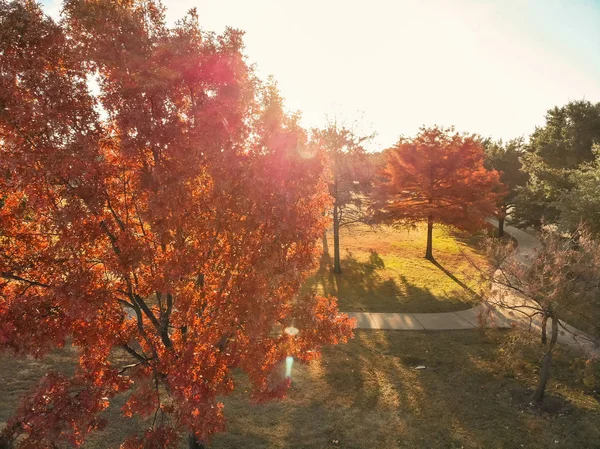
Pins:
<point x="472" y="239"/>
<point x="369" y="394"/>
<point x="358" y="285"/>
<point x="361" y="287"/>
<point x="454" y="278"/>
<point x="418" y="299"/>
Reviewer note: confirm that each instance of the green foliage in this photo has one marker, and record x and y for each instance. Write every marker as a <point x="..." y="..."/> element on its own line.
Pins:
<point x="555" y="152"/>
<point x="566" y="140"/>
<point x="532" y="207"/>
<point x="582" y="202"/>
<point x="506" y="159"/>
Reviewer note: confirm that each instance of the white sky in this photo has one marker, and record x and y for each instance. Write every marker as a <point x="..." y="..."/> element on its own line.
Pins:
<point x="488" y="67"/>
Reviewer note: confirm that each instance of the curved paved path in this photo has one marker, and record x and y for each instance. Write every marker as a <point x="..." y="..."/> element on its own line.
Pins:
<point x="472" y="318"/>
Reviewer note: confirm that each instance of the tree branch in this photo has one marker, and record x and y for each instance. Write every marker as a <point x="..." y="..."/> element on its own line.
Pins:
<point x="114" y="214"/>
<point x="144" y="307"/>
<point x="134" y="354"/>
<point x="14" y="277"/>
<point x="164" y="332"/>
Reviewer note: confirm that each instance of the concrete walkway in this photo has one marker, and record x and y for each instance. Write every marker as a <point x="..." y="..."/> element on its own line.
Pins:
<point x="482" y="315"/>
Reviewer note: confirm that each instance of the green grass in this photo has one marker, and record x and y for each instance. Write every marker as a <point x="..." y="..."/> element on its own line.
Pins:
<point x="368" y="394"/>
<point x="384" y="270"/>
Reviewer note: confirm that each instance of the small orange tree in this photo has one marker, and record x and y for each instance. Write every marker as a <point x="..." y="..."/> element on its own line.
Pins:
<point x="170" y="218"/>
<point x="438" y="177"/>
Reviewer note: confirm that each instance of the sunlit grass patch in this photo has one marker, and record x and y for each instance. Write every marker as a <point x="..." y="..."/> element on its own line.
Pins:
<point x="384" y="270"/>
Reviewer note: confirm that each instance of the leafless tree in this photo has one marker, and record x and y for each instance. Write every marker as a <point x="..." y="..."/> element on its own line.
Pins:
<point x="561" y="274"/>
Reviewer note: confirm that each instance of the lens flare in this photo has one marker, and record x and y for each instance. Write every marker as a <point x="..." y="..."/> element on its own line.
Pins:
<point x="305" y="151"/>
<point x="289" y="361"/>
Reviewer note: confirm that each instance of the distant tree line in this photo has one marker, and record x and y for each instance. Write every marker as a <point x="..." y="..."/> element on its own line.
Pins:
<point x="553" y="179"/>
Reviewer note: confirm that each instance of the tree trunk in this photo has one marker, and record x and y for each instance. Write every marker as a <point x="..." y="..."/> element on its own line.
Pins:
<point x="538" y="396"/>
<point x="337" y="267"/>
<point x="325" y="244"/>
<point x="544" y="323"/>
<point x="429" y="251"/>
<point x="193" y="443"/>
<point x="501" y="227"/>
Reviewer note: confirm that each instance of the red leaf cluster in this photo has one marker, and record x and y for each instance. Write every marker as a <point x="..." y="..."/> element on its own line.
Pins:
<point x="438" y="175"/>
<point x="171" y="217"/>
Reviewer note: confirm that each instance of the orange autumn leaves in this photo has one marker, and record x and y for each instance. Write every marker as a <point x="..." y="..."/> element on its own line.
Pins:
<point x="176" y="227"/>
<point x="437" y="177"/>
<point x="172" y="218"/>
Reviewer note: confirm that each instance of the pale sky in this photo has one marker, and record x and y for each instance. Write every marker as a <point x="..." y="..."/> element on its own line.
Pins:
<point x="490" y="67"/>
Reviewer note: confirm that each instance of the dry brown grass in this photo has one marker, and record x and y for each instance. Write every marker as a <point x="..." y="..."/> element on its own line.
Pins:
<point x="19" y="376"/>
<point x="584" y="315"/>
<point x="367" y="394"/>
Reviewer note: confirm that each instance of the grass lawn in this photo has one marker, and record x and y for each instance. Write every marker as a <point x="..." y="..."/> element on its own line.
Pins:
<point x="384" y="270"/>
<point x="18" y="376"/>
<point x="367" y="394"/>
<point x="584" y="315"/>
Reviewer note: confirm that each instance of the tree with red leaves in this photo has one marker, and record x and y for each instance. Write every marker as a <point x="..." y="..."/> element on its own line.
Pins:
<point x="169" y="217"/>
<point x="436" y="177"/>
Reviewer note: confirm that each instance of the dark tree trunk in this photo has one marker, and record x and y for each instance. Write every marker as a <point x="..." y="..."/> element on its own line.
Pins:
<point x="337" y="267"/>
<point x="544" y="323"/>
<point x="538" y="395"/>
<point x="325" y="244"/>
<point x="429" y="251"/>
<point x="193" y="443"/>
<point x="501" y="227"/>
